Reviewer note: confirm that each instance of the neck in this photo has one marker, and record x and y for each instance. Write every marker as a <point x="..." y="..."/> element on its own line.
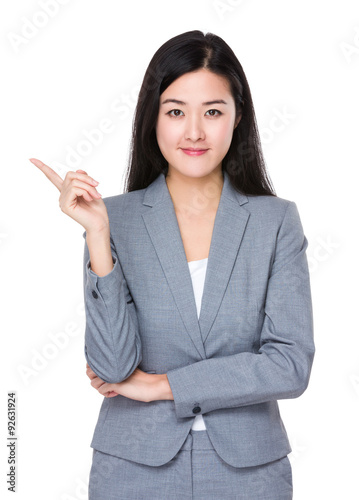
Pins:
<point x="195" y="196"/>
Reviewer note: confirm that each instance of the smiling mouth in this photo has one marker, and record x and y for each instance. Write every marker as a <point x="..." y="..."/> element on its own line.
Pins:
<point x="193" y="151"/>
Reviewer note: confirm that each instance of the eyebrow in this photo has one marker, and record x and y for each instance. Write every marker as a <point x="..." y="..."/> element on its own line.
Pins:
<point x="208" y="103"/>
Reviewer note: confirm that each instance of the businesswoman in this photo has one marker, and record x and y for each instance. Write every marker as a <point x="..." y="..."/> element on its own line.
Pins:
<point x="197" y="293"/>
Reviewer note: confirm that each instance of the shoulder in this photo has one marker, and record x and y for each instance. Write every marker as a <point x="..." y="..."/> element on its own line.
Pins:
<point x="273" y="213"/>
<point x="124" y="204"/>
<point x="267" y="204"/>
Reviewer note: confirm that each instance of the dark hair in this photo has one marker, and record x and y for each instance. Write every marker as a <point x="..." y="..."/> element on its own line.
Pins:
<point x="191" y="51"/>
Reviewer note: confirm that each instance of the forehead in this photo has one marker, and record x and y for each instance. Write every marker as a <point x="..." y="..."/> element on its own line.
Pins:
<point x="202" y="83"/>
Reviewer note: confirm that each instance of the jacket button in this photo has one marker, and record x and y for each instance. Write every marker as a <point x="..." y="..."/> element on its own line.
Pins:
<point x="196" y="409"/>
<point x="94" y="294"/>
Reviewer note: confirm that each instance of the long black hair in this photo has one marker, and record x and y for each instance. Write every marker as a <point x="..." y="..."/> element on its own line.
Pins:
<point x="191" y="51"/>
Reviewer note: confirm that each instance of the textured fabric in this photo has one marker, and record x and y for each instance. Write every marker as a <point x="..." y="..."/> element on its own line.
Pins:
<point x="195" y="473"/>
<point x="251" y="345"/>
<point x="198" y="270"/>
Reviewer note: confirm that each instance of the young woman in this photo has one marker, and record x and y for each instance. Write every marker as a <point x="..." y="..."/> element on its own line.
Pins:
<point x="197" y="293"/>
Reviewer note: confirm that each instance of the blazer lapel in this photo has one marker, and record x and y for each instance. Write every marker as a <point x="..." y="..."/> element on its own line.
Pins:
<point x="229" y="226"/>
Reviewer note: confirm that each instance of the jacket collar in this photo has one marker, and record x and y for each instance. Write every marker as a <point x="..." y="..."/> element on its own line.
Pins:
<point x="158" y="190"/>
<point x="229" y="227"/>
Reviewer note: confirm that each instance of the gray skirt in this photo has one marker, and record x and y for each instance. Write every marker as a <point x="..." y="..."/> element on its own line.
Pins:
<point x="196" y="472"/>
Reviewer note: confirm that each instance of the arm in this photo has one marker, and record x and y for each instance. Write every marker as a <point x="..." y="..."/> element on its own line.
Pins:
<point x="100" y="252"/>
<point x="282" y="366"/>
<point x="112" y="340"/>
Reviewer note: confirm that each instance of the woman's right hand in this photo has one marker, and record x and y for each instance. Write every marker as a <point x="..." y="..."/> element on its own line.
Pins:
<point x="79" y="198"/>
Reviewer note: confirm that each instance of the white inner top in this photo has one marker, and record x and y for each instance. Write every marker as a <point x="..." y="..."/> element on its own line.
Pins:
<point x="198" y="270"/>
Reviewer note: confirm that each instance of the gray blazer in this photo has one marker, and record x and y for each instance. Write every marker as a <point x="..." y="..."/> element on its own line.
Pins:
<point x="251" y="346"/>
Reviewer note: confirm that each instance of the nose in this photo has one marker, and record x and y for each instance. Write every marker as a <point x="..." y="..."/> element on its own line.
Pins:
<point x="194" y="129"/>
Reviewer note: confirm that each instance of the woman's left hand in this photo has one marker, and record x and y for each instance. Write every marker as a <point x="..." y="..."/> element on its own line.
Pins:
<point x="140" y="386"/>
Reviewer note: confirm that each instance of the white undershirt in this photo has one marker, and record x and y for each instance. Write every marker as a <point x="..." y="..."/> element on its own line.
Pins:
<point x="198" y="273"/>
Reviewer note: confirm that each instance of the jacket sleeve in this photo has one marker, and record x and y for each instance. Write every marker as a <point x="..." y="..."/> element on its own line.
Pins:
<point x="112" y="339"/>
<point x="281" y="367"/>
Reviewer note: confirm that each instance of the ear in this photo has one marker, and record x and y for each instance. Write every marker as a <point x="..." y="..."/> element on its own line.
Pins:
<point x="237" y="120"/>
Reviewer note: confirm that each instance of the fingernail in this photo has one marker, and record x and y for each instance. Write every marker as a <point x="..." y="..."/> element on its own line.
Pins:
<point x="96" y="182"/>
<point x="100" y="195"/>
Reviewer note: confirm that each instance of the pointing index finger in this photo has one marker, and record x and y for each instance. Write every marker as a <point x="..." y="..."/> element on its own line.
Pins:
<point x="50" y="174"/>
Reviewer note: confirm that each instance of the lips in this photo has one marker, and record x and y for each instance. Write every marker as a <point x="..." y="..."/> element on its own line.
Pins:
<point x="194" y="151"/>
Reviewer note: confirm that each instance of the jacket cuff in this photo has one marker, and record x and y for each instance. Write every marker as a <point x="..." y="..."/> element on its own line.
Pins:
<point x="187" y="398"/>
<point x="103" y="284"/>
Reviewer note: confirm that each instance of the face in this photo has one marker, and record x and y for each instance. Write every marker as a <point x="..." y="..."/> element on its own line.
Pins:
<point x="195" y="123"/>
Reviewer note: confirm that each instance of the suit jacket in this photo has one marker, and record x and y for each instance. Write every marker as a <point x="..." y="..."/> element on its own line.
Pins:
<point x="251" y="345"/>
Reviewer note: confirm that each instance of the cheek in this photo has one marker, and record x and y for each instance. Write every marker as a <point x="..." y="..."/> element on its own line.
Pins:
<point x="224" y="134"/>
<point x="167" y="137"/>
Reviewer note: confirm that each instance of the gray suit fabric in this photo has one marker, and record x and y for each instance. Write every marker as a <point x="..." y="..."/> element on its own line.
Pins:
<point x="251" y="345"/>
<point x="195" y="473"/>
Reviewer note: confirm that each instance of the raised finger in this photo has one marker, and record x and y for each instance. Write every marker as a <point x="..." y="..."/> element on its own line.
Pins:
<point x="50" y="174"/>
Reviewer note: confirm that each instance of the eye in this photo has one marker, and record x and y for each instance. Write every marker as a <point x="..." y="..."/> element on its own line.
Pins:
<point x="169" y="112"/>
<point x="216" y="110"/>
<point x="212" y="111"/>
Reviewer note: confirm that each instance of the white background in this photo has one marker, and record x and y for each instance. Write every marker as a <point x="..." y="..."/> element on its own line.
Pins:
<point x="60" y="81"/>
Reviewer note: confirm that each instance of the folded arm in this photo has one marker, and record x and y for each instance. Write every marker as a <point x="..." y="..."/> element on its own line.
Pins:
<point x="282" y="366"/>
<point x="112" y="340"/>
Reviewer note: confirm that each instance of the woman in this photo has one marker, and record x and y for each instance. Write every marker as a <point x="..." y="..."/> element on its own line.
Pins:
<point x="197" y="293"/>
